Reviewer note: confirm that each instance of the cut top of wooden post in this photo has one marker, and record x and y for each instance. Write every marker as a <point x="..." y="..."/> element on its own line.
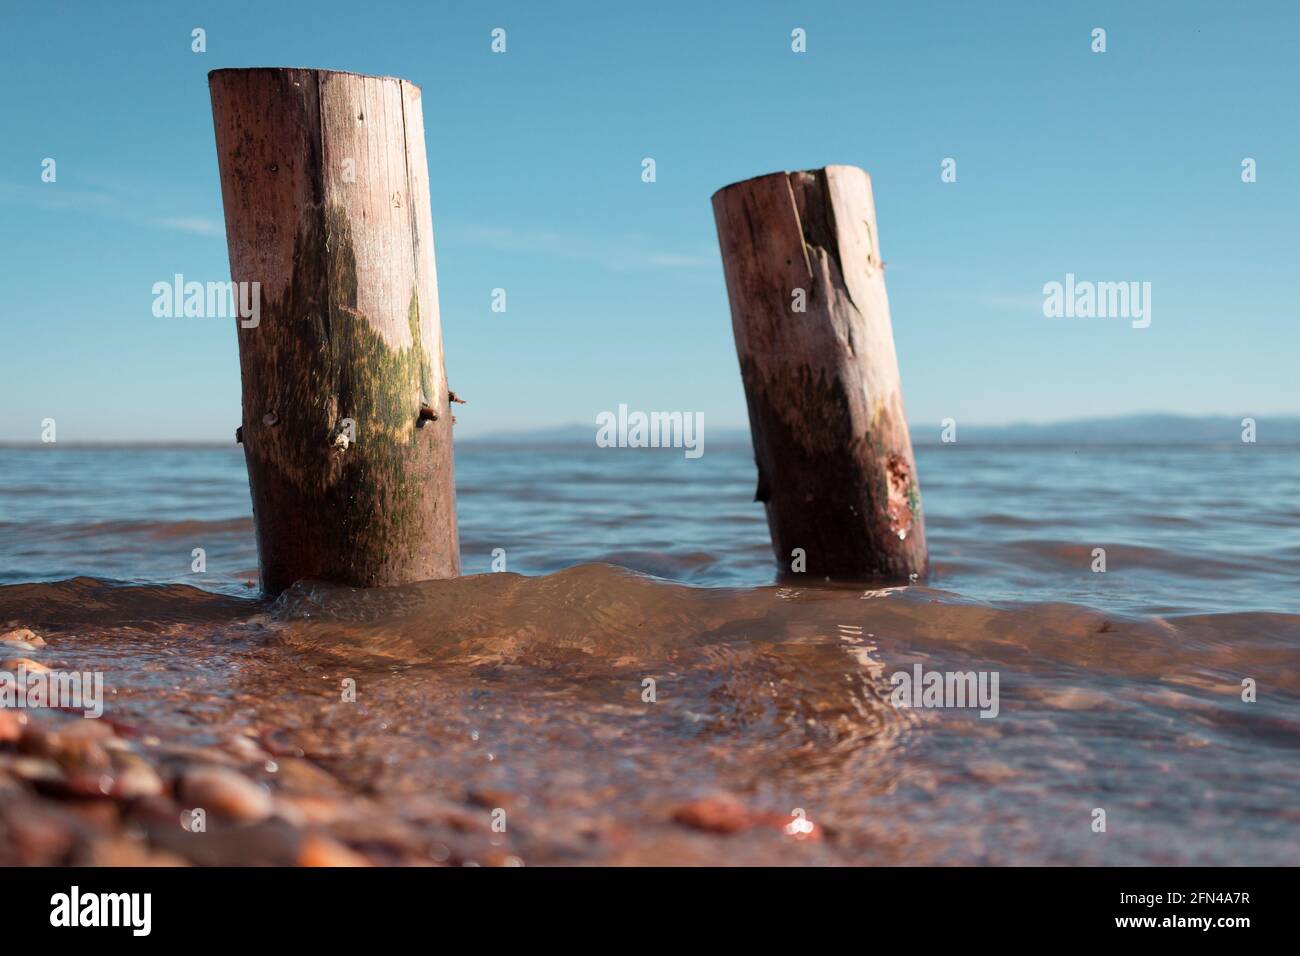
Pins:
<point x="801" y="255"/>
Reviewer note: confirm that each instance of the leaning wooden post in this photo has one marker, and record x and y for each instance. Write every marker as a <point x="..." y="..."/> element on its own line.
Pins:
<point x="807" y="287"/>
<point x="346" y="425"/>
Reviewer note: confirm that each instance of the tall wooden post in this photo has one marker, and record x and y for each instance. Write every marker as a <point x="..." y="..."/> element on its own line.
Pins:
<point x="808" y="307"/>
<point x="346" y="425"/>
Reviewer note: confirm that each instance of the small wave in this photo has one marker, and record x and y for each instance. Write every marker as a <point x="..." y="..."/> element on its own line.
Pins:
<point x="92" y="601"/>
<point x="1074" y="554"/>
<point x="156" y="530"/>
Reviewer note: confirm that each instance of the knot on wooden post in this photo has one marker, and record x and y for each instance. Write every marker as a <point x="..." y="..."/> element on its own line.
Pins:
<point x="810" y="315"/>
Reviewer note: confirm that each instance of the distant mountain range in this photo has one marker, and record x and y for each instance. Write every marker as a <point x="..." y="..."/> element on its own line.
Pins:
<point x="1145" y="429"/>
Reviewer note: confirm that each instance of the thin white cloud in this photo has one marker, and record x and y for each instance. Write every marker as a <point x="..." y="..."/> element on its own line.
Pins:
<point x="116" y="205"/>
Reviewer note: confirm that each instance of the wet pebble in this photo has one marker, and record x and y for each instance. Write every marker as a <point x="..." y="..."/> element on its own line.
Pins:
<point x="12" y="664"/>
<point x="22" y="639"/>
<point x="12" y="724"/>
<point x="34" y="769"/>
<point x="225" y="793"/>
<point x="74" y="748"/>
<point x="720" y="813"/>
<point x="134" y="779"/>
<point x="80" y="754"/>
<point x="302" y="776"/>
<point x="319" y="850"/>
<point x="244" y="747"/>
<point x="304" y="809"/>
<point x="87" y="729"/>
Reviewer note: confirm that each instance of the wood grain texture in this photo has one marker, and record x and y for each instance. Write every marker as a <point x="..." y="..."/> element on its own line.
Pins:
<point x="325" y="186"/>
<point x="835" y="466"/>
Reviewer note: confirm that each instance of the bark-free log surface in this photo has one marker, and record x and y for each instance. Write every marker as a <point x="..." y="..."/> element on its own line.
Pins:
<point x="835" y="466"/>
<point x="325" y="185"/>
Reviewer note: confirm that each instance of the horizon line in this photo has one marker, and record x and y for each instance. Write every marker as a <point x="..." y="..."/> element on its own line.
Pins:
<point x="733" y="433"/>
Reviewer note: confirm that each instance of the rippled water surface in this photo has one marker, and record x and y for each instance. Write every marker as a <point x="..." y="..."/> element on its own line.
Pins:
<point x="527" y="691"/>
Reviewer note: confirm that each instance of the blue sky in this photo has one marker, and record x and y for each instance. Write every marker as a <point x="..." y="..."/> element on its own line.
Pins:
<point x="1117" y="166"/>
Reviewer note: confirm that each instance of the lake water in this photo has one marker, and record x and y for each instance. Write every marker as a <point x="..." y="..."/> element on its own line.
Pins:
<point x="1118" y="691"/>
